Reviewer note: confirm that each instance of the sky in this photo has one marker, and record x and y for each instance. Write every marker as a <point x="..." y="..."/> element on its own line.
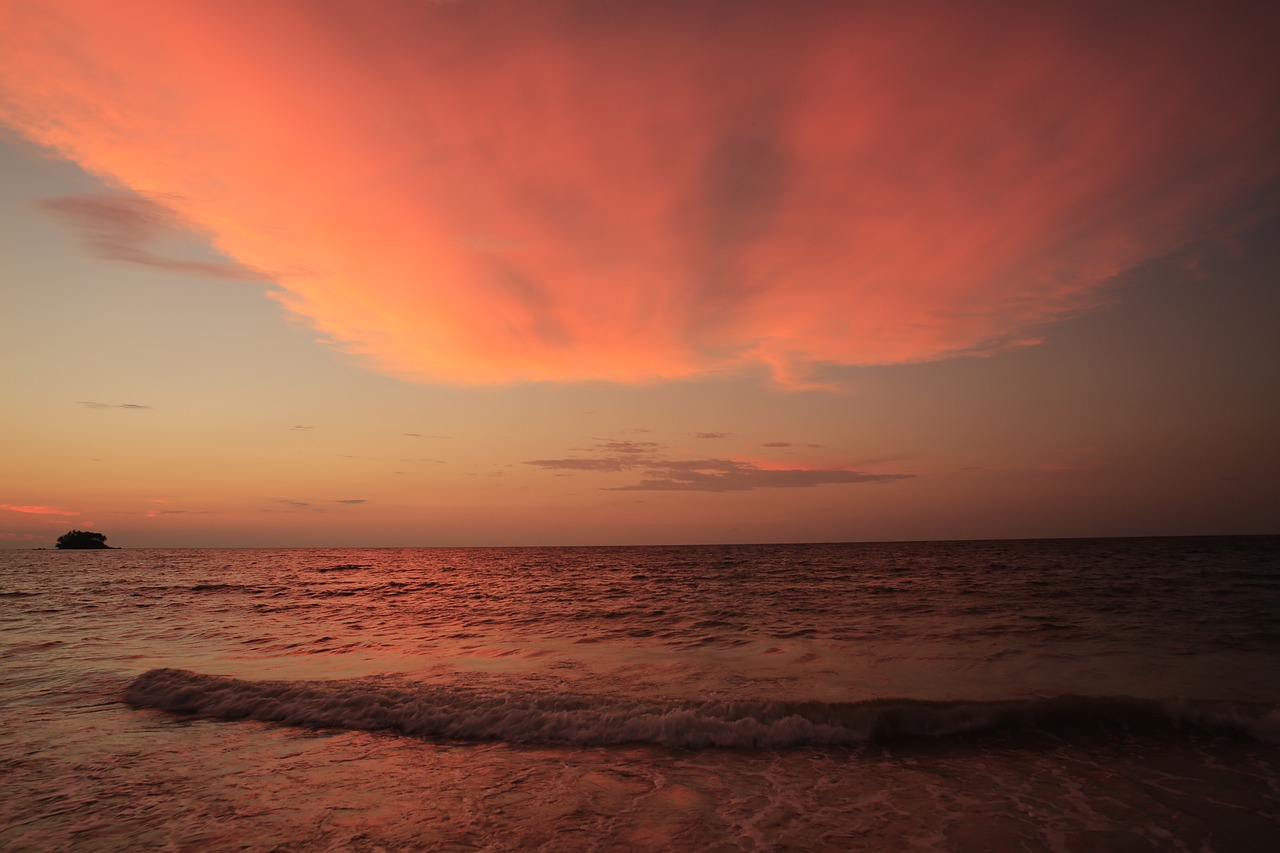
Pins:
<point x="509" y="272"/>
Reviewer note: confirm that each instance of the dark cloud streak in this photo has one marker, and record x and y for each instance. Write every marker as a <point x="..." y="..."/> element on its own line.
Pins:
<point x="726" y="475"/>
<point x="702" y="475"/>
<point x="94" y="404"/>
<point x="605" y="464"/>
<point x="127" y="227"/>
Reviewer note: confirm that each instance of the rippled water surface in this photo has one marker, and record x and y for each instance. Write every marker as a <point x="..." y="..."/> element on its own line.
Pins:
<point x="1056" y="695"/>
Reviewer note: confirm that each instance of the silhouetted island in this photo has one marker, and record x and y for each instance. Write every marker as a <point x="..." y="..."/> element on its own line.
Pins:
<point x="83" y="539"/>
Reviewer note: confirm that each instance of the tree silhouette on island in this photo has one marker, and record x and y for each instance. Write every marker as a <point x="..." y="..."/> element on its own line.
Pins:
<point x="83" y="539"/>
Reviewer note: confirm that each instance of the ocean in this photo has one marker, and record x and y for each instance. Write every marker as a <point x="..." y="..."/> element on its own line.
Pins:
<point x="1057" y="695"/>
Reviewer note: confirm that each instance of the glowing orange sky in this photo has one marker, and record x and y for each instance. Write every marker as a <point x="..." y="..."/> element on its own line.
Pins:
<point x="328" y="272"/>
<point x="488" y="191"/>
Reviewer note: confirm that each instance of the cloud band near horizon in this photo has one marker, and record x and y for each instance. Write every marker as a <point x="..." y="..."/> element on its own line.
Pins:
<point x="495" y="191"/>
<point x="663" y="474"/>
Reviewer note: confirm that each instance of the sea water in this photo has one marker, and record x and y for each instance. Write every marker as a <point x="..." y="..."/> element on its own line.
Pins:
<point x="1118" y="694"/>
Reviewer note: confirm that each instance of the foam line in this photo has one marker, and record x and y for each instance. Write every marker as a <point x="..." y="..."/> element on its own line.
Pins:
<point x="527" y="717"/>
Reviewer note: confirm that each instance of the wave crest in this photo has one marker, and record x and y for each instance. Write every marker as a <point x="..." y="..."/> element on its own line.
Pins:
<point x="527" y="717"/>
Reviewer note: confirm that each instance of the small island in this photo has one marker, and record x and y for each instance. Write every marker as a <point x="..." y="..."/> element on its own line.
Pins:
<point x="82" y="539"/>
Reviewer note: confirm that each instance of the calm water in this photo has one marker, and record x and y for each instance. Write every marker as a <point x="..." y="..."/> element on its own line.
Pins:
<point x="1032" y="695"/>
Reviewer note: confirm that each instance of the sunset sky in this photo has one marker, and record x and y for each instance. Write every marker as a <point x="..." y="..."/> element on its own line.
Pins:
<point x="491" y="272"/>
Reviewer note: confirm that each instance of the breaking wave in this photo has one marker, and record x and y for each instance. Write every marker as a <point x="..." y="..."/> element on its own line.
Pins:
<point x="550" y="718"/>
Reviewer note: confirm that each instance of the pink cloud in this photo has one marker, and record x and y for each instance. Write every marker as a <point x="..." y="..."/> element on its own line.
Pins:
<point x="39" y="510"/>
<point x="498" y="191"/>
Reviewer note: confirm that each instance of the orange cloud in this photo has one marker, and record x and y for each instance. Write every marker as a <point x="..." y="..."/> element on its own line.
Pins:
<point x="497" y="190"/>
<point x="39" y="510"/>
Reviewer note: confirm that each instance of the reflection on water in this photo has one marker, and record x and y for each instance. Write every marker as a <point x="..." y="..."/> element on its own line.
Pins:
<point x="604" y="631"/>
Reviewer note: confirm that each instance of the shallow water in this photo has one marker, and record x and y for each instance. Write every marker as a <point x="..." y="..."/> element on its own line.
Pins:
<point x="645" y="698"/>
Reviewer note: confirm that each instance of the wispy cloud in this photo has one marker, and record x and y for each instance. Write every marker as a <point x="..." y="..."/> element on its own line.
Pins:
<point x="851" y="183"/>
<point x="777" y="444"/>
<point x="93" y="404"/>
<point x="702" y="475"/>
<point x="310" y="506"/>
<point x="130" y="227"/>
<point x="401" y="459"/>
<point x="301" y="427"/>
<point x="609" y="455"/>
<point x="712" y="435"/>
<point x="726" y="475"/>
<point x="628" y="448"/>
<point x="39" y="510"/>
<point x="600" y="464"/>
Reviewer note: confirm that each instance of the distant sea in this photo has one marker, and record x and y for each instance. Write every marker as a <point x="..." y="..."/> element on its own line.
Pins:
<point x="1064" y="695"/>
